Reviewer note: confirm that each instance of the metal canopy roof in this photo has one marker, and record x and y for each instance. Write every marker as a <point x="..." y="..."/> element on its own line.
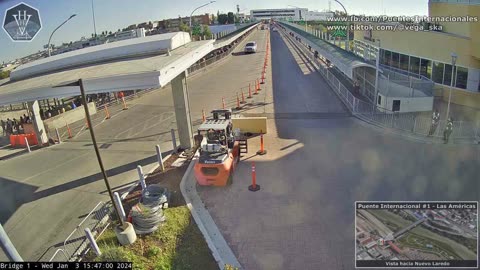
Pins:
<point x="234" y="35"/>
<point x="343" y="60"/>
<point x="126" y="74"/>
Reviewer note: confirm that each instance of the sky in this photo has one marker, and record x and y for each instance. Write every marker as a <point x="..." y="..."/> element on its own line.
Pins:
<point x="111" y="15"/>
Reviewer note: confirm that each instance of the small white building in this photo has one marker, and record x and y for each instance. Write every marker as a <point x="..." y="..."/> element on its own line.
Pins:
<point x="294" y="14"/>
<point x="319" y="16"/>
<point x="135" y="33"/>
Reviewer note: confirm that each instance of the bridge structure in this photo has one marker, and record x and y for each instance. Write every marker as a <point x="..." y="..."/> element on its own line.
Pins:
<point x="398" y="234"/>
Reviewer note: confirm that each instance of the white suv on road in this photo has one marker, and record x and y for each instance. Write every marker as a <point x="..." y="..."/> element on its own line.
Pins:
<point x="251" y="47"/>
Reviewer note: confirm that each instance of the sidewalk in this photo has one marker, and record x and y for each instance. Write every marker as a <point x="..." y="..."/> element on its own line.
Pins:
<point x="457" y="112"/>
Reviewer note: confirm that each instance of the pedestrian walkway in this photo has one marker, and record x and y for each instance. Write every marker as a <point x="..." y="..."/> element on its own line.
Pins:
<point x="412" y="125"/>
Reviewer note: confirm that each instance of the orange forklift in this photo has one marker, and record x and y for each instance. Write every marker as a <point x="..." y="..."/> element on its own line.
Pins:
<point x="219" y="150"/>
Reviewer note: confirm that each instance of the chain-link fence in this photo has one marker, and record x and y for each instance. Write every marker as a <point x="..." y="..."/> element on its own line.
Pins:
<point x="413" y="122"/>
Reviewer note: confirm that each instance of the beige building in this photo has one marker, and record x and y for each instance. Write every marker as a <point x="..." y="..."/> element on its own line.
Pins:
<point x="424" y="48"/>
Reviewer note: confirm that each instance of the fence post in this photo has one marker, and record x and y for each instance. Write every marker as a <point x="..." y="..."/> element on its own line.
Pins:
<point x="118" y="205"/>
<point x="28" y="145"/>
<point x="414" y="123"/>
<point x="172" y="131"/>
<point x="93" y="243"/>
<point x="58" y="135"/>
<point x="160" y="158"/>
<point x="141" y="177"/>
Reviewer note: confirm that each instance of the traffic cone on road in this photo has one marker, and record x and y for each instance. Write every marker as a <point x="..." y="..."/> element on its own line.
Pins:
<point x="249" y="91"/>
<point x="69" y="131"/>
<point x="107" y="114"/>
<point x="203" y="116"/>
<point x="238" y="103"/>
<point x="262" y="150"/>
<point x="243" y="99"/>
<point x="124" y="104"/>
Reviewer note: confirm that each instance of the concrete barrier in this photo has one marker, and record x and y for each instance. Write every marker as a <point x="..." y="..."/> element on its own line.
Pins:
<point x="250" y="124"/>
<point x="71" y="116"/>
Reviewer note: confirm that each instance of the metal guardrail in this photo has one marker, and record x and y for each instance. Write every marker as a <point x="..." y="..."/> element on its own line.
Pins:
<point x="405" y="122"/>
<point x="76" y="244"/>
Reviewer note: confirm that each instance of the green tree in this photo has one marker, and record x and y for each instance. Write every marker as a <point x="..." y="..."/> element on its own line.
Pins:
<point x="207" y="32"/>
<point x="184" y="27"/>
<point x="222" y="19"/>
<point x="197" y="30"/>
<point x="4" y="74"/>
<point x="231" y="18"/>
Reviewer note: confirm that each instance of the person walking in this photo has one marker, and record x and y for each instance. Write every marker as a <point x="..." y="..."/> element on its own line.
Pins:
<point x="9" y="126"/>
<point x="4" y="127"/>
<point x="435" y="121"/>
<point x="448" y="130"/>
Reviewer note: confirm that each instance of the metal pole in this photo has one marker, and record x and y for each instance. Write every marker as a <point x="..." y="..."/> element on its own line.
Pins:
<point x="58" y="135"/>
<point x="174" y="142"/>
<point x="93" y="243"/>
<point x="454" y="59"/>
<point x="347" y="48"/>
<point x="95" y="146"/>
<point x="50" y="38"/>
<point x="160" y="158"/>
<point x="377" y="67"/>
<point x="94" y="25"/>
<point x="8" y="247"/>
<point x="141" y="176"/>
<point x="118" y="203"/>
<point x="28" y="145"/>
<point x="191" y="14"/>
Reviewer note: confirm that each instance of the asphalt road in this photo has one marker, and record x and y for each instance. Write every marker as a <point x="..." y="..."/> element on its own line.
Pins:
<point x="45" y="194"/>
<point x="319" y="162"/>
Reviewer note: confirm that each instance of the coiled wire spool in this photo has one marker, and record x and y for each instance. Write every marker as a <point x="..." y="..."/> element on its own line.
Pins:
<point x="147" y="215"/>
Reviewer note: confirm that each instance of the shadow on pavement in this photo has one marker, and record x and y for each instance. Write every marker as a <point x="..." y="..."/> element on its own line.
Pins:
<point x="23" y="193"/>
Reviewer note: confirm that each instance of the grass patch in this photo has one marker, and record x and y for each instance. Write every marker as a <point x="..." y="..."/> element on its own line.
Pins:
<point x="178" y="244"/>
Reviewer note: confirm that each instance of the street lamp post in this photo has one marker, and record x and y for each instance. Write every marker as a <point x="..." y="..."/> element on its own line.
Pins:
<point x="191" y="14"/>
<point x="454" y="61"/>
<point x="48" y="46"/>
<point x="348" y="27"/>
<point x="377" y="66"/>
<point x="94" y="24"/>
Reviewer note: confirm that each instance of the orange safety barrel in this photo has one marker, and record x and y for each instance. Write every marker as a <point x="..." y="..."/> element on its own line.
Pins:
<point x="21" y="140"/>
<point x="31" y="138"/>
<point x="13" y="141"/>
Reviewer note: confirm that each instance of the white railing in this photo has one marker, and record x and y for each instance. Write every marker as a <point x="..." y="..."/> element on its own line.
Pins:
<point x="405" y="122"/>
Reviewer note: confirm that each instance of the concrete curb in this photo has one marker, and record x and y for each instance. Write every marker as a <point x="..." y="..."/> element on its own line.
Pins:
<point x="218" y="246"/>
<point x="136" y="183"/>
